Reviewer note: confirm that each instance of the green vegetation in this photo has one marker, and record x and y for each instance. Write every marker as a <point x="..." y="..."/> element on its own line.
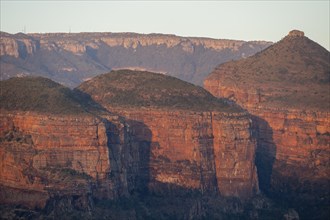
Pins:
<point x="146" y="89"/>
<point x="39" y="95"/>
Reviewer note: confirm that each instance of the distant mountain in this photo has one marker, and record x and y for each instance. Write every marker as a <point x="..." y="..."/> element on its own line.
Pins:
<point x="73" y="58"/>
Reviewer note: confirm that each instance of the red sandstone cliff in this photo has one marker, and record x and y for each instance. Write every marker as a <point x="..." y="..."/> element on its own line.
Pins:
<point x="46" y="152"/>
<point x="286" y="89"/>
<point x="207" y="147"/>
<point x="58" y="144"/>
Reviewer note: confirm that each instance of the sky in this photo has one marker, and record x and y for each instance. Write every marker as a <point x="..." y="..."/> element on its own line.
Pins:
<point x="239" y="20"/>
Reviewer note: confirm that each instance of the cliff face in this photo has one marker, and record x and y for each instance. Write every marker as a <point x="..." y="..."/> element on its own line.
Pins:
<point x="19" y="46"/>
<point x="291" y="117"/>
<point x="61" y="148"/>
<point x="73" y="58"/>
<point x="55" y="144"/>
<point x="52" y="156"/>
<point x="207" y="149"/>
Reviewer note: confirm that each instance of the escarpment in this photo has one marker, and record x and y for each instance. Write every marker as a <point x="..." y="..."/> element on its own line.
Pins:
<point x="71" y="58"/>
<point x="286" y="89"/>
<point x="192" y="139"/>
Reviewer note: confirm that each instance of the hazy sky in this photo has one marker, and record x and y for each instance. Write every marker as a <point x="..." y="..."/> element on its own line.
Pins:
<point x="244" y="20"/>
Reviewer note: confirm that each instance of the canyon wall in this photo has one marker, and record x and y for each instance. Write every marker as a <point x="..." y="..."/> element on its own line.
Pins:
<point x="44" y="156"/>
<point x="293" y="144"/>
<point x="83" y="150"/>
<point x="207" y="151"/>
<point x="49" y="156"/>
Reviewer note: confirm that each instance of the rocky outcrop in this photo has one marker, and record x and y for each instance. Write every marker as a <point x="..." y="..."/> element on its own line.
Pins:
<point x="71" y="58"/>
<point x="209" y="149"/>
<point x="296" y="33"/>
<point x="291" y="117"/>
<point x="18" y="46"/>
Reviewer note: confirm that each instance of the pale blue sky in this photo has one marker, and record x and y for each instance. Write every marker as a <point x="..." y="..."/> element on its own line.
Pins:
<point x="244" y="20"/>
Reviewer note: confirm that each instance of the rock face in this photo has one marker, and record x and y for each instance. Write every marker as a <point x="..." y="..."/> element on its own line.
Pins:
<point x="54" y="154"/>
<point x="57" y="155"/>
<point x="192" y="140"/>
<point x="64" y="156"/>
<point x="61" y="150"/>
<point x="286" y="89"/>
<point x="73" y="58"/>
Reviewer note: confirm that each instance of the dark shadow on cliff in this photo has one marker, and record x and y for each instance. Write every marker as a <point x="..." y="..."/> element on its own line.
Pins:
<point x="129" y="155"/>
<point x="141" y="148"/>
<point x="265" y="152"/>
<point x="310" y="198"/>
<point x="88" y="103"/>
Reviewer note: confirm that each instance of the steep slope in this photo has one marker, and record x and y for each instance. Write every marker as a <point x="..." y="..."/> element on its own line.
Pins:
<point x="193" y="140"/>
<point x="72" y="58"/>
<point x="286" y="88"/>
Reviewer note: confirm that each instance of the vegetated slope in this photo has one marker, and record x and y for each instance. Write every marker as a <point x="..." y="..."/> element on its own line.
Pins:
<point x="39" y="95"/>
<point x="141" y="88"/>
<point x="294" y="72"/>
<point x="71" y="58"/>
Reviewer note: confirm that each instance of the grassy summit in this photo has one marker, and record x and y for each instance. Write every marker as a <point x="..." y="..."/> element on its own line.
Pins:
<point x="139" y="88"/>
<point x="294" y="72"/>
<point x="39" y="95"/>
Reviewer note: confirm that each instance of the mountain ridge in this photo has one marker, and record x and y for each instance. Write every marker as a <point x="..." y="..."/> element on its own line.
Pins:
<point x="71" y="58"/>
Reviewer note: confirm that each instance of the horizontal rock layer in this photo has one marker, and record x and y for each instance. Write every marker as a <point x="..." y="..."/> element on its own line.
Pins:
<point x="293" y="144"/>
<point x="44" y="156"/>
<point x="64" y="155"/>
<point x="208" y="151"/>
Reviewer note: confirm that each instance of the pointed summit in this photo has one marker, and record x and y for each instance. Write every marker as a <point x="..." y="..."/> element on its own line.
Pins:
<point x="296" y="33"/>
<point x="292" y="72"/>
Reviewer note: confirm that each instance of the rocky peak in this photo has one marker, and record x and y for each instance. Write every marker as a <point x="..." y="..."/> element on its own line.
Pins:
<point x="296" y="33"/>
<point x="292" y="72"/>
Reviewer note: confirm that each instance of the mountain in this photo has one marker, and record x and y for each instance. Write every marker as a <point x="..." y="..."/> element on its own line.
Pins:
<point x="286" y="89"/>
<point x="71" y="58"/>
